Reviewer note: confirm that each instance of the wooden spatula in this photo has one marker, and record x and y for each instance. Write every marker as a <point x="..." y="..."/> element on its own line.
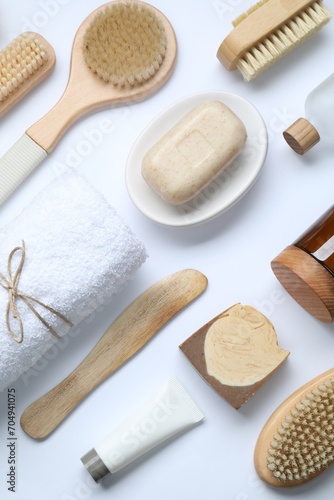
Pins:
<point x="129" y="332"/>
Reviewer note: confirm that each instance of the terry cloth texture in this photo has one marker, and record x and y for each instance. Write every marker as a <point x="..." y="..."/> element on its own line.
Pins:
<point x="79" y="252"/>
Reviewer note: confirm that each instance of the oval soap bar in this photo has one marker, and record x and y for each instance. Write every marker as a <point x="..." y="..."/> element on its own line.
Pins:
<point x="191" y="154"/>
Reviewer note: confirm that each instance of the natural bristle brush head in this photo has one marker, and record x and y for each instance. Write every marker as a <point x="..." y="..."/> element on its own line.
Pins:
<point x="124" y="51"/>
<point x="100" y="76"/>
<point x="297" y="442"/>
<point x="24" y="63"/>
<point x="125" y="44"/>
<point x="268" y="31"/>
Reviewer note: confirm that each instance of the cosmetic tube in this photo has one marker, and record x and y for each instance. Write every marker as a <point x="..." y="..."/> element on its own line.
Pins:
<point x="169" y="412"/>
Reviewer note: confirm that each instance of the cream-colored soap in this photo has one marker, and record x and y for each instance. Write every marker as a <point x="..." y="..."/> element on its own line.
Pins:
<point x="241" y="347"/>
<point x="195" y="151"/>
<point x="236" y="353"/>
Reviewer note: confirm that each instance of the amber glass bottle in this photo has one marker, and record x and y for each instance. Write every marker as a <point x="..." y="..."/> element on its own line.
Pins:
<point x="306" y="268"/>
<point x="318" y="240"/>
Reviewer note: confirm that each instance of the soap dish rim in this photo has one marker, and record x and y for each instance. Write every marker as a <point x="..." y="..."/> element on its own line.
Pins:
<point x="155" y="208"/>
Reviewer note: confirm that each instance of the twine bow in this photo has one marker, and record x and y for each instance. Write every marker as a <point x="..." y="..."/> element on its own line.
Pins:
<point x="11" y="285"/>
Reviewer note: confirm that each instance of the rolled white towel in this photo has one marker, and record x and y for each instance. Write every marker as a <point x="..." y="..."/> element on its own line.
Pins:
<point x="78" y="252"/>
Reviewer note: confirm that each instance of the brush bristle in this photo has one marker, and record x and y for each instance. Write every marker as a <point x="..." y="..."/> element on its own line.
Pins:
<point x="125" y="44"/>
<point x="304" y="444"/>
<point x="283" y="40"/>
<point x="19" y="61"/>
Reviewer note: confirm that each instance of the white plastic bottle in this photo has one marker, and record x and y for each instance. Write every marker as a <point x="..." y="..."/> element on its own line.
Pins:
<point x="303" y="134"/>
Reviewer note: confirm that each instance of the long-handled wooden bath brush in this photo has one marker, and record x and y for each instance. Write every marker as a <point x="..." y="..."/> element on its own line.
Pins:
<point x="297" y="442"/>
<point x="124" y="51"/>
<point x="24" y="63"/>
<point x="269" y="30"/>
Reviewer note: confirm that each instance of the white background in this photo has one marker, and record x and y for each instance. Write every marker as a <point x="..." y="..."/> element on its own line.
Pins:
<point x="214" y="460"/>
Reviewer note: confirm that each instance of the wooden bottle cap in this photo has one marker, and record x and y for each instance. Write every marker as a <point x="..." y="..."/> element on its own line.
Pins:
<point x="301" y="136"/>
<point x="307" y="281"/>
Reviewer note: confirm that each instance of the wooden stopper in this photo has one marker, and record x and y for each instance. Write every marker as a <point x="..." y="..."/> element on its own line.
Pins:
<point x="307" y="281"/>
<point x="301" y="136"/>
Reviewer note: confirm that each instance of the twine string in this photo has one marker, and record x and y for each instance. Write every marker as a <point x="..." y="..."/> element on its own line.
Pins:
<point x="11" y="283"/>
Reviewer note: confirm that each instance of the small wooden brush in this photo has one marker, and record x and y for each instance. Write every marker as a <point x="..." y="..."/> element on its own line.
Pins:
<point x="122" y="52"/>
<point x="24" y="63"/>
<point x="268" y="31"/>
<point x="297" y="442"/>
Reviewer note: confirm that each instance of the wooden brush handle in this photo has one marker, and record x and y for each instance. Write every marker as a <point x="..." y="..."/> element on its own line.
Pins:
<point x="129" y="332"/>
<point x="86" y="92"/>
<point x="48" y="131"/>
<point x="270" y="429"/>
<point x="257" y="26"/>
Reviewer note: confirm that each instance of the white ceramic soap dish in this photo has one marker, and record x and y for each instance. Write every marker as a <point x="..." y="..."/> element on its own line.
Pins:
<point x="224" y="191"/>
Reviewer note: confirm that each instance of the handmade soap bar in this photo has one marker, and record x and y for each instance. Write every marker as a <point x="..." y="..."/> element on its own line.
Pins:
<point x="236" y="353"/>
<point x="191" y="154"/>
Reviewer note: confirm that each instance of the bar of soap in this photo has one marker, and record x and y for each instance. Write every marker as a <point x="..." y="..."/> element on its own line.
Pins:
<point x="195" y="151"/>
<point x="236" y="353"/>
